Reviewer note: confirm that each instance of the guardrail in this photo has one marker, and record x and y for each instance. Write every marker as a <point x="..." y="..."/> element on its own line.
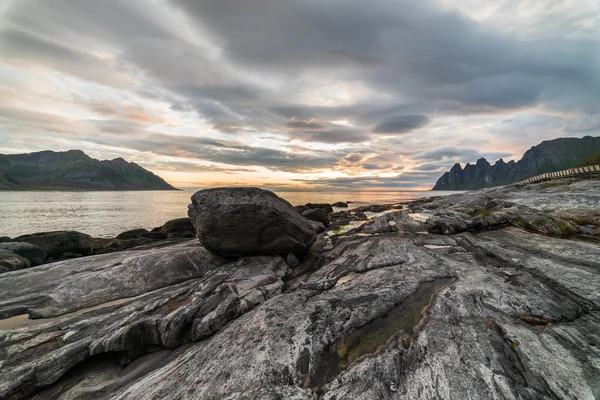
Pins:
<point x="580" y="172"/>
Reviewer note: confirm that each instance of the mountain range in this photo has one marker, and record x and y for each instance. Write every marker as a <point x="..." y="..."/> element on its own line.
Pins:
<point x="548" y="156"/>
<point x="74" y="170"/>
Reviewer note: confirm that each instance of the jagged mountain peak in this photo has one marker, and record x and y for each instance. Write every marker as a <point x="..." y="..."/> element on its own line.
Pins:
<point x="548" y="156"/>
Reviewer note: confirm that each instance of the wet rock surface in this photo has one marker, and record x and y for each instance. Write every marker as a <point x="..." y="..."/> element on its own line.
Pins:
<point x="391" y="311"/>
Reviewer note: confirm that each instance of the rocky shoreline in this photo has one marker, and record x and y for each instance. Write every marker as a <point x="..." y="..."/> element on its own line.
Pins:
<point x="486" y="294"/>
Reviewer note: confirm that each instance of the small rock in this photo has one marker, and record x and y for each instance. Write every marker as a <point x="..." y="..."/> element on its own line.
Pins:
<point x="4" y="239"/>
<point x="324" y="206"/>
<point x="292" y="261"/>
<point x="59" y="242"/>
<point x="317" y="214"/>
<point x="340" y="204"/>
<point x="131" y="234"/>
<point x="317" y="226"/>
<point x="178" y="226"/>
<point x="65" y="256"/>
<point x="10" y="261"/>
<point x="153" y="235"/>
<point x="34" y="254"/>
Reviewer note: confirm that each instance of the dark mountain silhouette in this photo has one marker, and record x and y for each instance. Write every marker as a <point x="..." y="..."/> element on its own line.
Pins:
<point x="74" y="170"/>
<point x="548" y="156"/>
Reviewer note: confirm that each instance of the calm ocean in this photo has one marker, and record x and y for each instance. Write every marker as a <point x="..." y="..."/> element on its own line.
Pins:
<point x="106" y="214"/>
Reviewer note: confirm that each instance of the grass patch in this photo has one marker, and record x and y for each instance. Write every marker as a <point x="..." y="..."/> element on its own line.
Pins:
<point x="483" y="213"/>
<point x="547" y="185"/>
<point x="539" y="221"/>
<point x="188" y="337"/>
<point x="582" y="221"/>
<point x="566" y="229"/>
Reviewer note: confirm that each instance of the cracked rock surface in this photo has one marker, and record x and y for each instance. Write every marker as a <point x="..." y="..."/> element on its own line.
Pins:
<point x="470" y="303"/>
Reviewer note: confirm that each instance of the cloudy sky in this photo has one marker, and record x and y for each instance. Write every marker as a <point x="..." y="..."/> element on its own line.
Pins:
<point x="303" y="93"/>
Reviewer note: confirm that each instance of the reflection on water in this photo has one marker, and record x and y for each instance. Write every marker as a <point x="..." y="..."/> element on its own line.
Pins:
<point x="368" y="338"/>
<point x="106" y="214"/>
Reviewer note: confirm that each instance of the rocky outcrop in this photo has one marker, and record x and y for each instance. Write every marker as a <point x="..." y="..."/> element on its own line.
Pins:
<point x="242" y="221"/>
<point x="34" y="254"/>
<point x="74" y="169"/>
<point x="548" y="156"/>
<point x="59" y="242"/>
<point x="131" y="234"/>
<point x="393" y="310"/>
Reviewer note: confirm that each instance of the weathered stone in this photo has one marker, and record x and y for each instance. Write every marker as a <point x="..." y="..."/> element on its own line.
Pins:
<point x="34" y="254"/>
<point x="318" y="227"/>
<point x="340" y="204"/>
<point x="317" y="214"/>
<point x="240" y="221"/>
<point x="56" y="243"/>
<point x="178" y="226"/>
<point x="323" y="206"/>
<point x="11" y="261"/>
<point x="65" y="256"/>
<point x="292" y="261"/>
<point x="131" y="234"/>
<point x="153" y="235"/>
<point x="4" y="239"/>
<point x="390" y="312"/>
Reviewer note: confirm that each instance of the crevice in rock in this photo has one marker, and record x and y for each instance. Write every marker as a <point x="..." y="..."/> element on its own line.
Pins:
<point x="403" y="322"/>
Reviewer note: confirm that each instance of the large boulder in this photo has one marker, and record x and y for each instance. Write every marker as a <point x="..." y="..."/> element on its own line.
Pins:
<point x="34" y="254"/>
<point x="241" y="221"/>
<point x="179" y="226"/>
<point x="59" y="242"/>
<point x="11" y="261"/>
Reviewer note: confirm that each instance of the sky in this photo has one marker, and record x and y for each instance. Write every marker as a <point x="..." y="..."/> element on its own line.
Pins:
<point x="312" y="94"/>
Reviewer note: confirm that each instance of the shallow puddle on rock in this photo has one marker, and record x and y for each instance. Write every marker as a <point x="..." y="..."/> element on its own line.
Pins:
<point x="421" y="217"/>
<point x="368" y="338"/>
<point x="23" y="320"/>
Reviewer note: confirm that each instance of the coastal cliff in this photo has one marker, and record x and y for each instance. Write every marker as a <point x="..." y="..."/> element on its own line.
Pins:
<point x="489" y="294"/>
<point x="548" y="156"/>
<point x="74" y="170"/>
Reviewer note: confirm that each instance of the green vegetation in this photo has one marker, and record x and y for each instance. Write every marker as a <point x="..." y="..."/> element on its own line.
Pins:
<point x="567" y="229"/>
<point x="539" y="221"/>
<point x="547" y="185"/>
<point x="483" y="213"/>
<point x="188" y="337"/>
<point x="590" y="160"/>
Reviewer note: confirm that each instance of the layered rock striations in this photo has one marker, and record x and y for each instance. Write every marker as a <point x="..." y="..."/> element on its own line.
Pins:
<point x="548" y="156"/>
<point x="479" y="300"/>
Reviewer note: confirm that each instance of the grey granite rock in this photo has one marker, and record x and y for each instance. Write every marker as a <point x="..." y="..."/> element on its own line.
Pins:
<point x="56" y="243"/>
<point x="34" y="254"/>
<point x="496" y="311"/>
<point x="11" y="261"/>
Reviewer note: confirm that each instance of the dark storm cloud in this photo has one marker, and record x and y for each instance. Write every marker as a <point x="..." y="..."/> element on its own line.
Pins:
<point x="401" y="124"/>
<point x="373" y="166"/>
<point x="460" y="154"/>
<point x="333" y="136"/>
<point x="296" y="69"/>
